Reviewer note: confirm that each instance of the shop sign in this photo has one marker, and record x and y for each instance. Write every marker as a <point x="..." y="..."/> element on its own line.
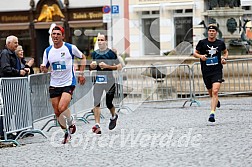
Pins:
<point x="13" y="18"/>
<point x="86" y="15"/>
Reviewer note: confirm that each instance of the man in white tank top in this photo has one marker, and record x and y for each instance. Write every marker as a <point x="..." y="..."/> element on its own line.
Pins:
<point x="60" y="57"/>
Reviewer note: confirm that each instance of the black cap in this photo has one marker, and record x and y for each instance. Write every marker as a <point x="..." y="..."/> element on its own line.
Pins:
<point x="212" y="26"/>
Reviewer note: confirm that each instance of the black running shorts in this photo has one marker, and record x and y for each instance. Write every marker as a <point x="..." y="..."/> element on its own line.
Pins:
<point x="57" y="91"/>
<point x="209" y="80"/>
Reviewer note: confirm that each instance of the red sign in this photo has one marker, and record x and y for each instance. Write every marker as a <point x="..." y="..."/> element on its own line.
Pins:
<point x="106" y="9"/>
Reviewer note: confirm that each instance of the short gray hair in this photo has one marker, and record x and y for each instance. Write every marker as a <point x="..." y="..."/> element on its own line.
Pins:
<point x="10" y="39"/>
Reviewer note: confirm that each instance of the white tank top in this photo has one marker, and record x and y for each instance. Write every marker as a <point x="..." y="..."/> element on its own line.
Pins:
<point x="61" y="63"/>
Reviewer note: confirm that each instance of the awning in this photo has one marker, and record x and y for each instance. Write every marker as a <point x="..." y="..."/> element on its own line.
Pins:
<point x="46" y="25"/>
<point x="146" y="7"/>
<point x="177" y="5"/>
<point x="85" y="23"/>
<point x="14" y="26"/>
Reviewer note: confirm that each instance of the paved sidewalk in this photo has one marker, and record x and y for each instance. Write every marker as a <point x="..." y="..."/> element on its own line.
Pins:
<point x="155" y="134"/>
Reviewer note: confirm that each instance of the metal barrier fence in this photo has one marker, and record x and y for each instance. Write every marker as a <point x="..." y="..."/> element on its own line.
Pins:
<point x="236" y="73"/>
<point x="25" y="101"/>
<point x="41" y="105"/>
<point x="82" y="99"/>
<point x="156" y="83"/>
<point x="181" y="82"/>
<point x="83" y="96"/>
<point x="16" y="108"/>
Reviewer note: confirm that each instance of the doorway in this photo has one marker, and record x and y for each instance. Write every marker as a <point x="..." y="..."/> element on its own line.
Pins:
<point x="42" y="42"/>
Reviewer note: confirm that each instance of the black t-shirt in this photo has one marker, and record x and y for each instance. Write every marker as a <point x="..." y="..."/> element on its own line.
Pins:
<point x="211" y="49"/>
<point x="109" y="57"/>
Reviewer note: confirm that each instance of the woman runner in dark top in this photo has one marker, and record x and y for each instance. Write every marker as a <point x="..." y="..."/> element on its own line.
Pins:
<point x="104" y="60"/>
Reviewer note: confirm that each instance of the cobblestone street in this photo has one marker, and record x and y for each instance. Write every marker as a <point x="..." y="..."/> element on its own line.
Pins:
<point x="155" y="134"/>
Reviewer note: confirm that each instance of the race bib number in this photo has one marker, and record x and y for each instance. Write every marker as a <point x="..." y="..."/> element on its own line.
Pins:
<point x="59" y="66"/>
<point x="212" y="61"/>
<point x="101" y="79"/>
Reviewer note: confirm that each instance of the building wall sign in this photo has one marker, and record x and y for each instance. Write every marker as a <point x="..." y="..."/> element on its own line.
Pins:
<point x="14" y="18"/>
<point x="87" y="14"/>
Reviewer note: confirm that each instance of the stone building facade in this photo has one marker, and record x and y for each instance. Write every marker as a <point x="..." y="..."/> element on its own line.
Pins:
<point x="139" y="28"/>
<point x="160" y="26"/>
<point x="30" y="21"/>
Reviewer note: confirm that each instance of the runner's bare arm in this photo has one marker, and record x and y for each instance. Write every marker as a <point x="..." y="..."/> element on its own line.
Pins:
<point x="81" y="77"/>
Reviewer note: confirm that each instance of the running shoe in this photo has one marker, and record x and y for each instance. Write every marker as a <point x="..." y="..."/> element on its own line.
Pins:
<point x="218" y="104"/>
<point x="67" y="138"/>
<point x="96" y="129"/>
<point x="72" y="128"/>
<point x="211" y="118"/>
<point x="112" y="123"/>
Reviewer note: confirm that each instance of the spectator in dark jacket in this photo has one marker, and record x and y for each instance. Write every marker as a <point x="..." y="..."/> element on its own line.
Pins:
<point x="10" y="67"/>
<point x="10" y="64"/>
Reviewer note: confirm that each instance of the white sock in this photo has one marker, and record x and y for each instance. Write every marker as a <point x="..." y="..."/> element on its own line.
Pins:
<point x="113" y="117"/>
<point x="69" y="120"/>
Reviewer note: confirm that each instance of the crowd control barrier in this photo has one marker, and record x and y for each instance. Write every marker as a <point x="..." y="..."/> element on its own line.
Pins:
<point x="41" y="105"/>
<point x="181" y="82"/>
<point x="83" y="96"/>
<point x="237" y="77"/>
<point x="16" y="108"/>
<point x="82" y="99"/>
<point x="156" y="83"/>
<point x="25" y="101"/>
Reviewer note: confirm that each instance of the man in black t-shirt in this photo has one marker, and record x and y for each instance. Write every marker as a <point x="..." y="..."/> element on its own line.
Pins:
<point x="210" y="51"/>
